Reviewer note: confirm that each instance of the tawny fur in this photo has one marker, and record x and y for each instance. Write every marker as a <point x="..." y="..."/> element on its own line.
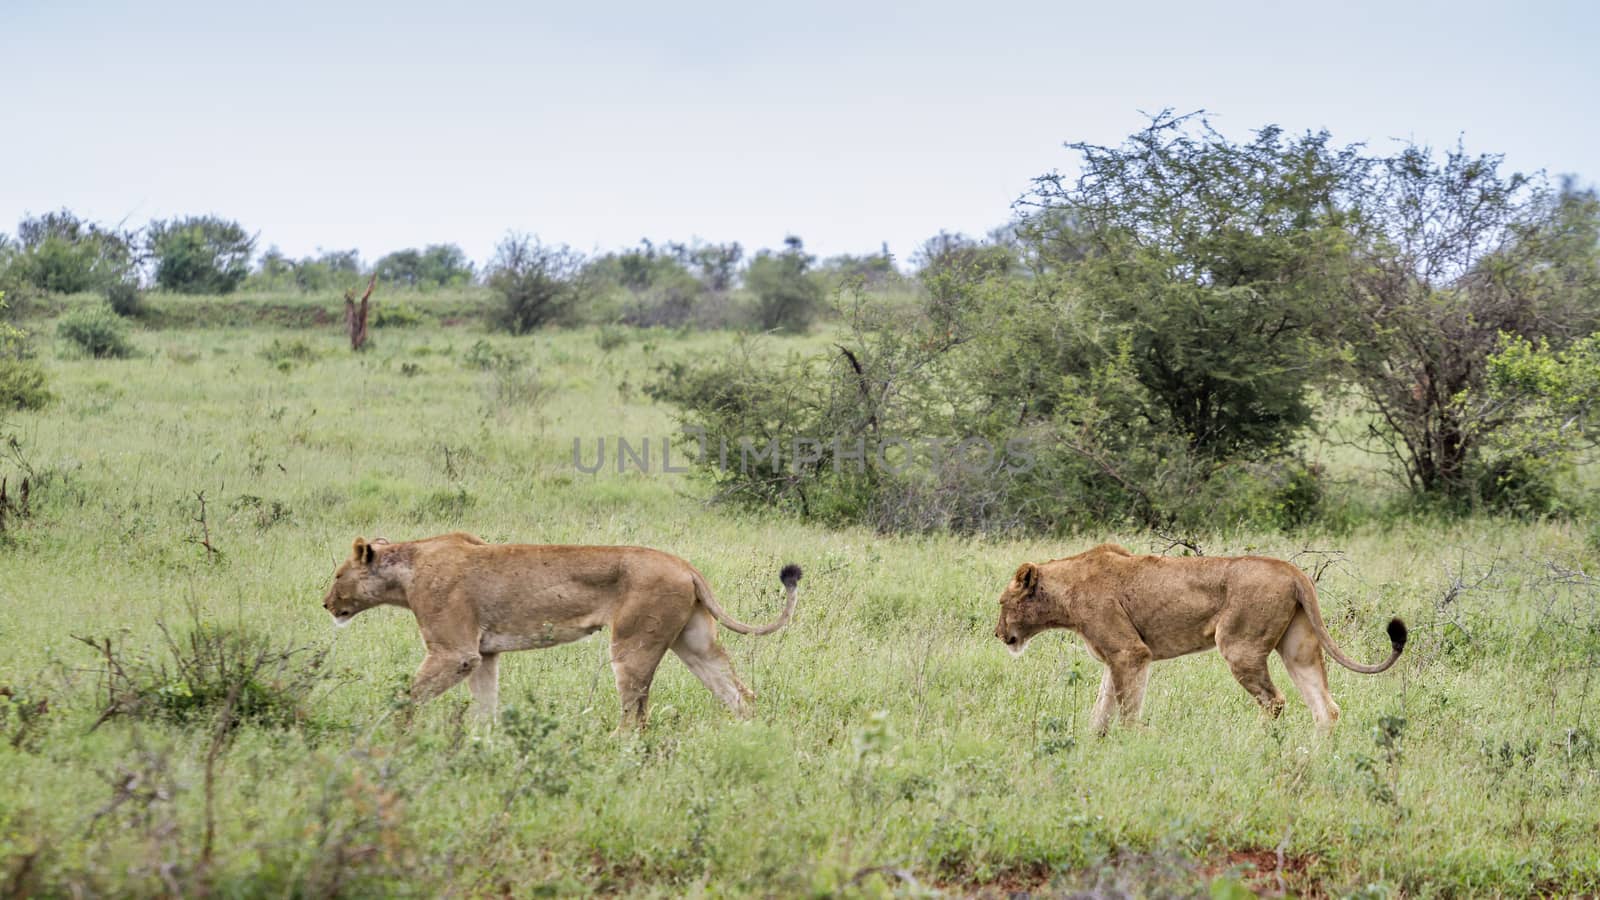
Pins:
<point x="474" y="600"/>
<point x="1133" y="610"/>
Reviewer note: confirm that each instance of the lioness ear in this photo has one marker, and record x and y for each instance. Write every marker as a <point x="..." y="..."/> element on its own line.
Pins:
<point x="362" y="552"/>
<point x="1028" y="577"/>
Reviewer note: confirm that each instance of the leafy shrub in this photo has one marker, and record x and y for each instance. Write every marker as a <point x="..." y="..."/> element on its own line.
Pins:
<point x="200" y="254"/>
<point x="611" y="337"/>
<point x="787" y="297"/>
<point x="22" y="716"/>
<point x="1523" y="486"/>
<point x="517" y="386"/>
<point x="447" y="505"/>
<point x="212" y="671"/>
<point x="23" y="384"/>
<point x="22" y="381"/>
<point x="96" y="330"/>
<point x="907" y="424"/>
<point x="125" y="298"/>
<point x="296" y="351"/>
<point x="537" y="283"/>
<point x="484" y="356"/>
<point x="60" y="253"/>
<point x="398" y="315"/>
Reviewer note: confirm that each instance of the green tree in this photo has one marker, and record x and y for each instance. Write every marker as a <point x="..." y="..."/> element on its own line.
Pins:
<point x="1453" y="254"/>
<point x="200" y="254"/>
<point x="716" y="265"/>
<point x="438" y="265"/>
<point x="787" y="297"/>
<point x="58" y="252"/>
<point x="537" y="283"/>
<point x="1216" y="260"/>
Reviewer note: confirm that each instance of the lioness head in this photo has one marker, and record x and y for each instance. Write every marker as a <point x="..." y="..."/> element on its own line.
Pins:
<point x="1023" y="610"/>
<point x="362" y="582"/>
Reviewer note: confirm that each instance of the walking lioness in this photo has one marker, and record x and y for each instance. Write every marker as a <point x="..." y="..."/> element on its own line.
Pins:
<point x="474" y="600"/>
<point x="1131" y="610"/>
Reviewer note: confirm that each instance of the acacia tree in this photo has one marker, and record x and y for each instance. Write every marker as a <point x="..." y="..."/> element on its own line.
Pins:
<point x="1451" y="255"/>
<point x="1213" y="261"/>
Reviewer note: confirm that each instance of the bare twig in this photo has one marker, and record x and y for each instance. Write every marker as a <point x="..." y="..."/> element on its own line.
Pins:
<point x="1192" y="544"/>
<point x="205" y="529"/>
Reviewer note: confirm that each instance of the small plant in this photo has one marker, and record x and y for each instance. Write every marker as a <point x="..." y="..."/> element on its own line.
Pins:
<point x="21" y="716"/>
<point x="98" y="331"/>
<point x="484" y="356"/>
<point x="209" y="671"/>
<point x="265" y="512"/>
<point x="410" y="369"/>
<point x="518" y="387"/>
<point x="1058" y="736"/>
<point x="547" y="759"/>
<point x="444" y="505"/>
<point x="1383" y="772"/>
<point x="296" y="351"/>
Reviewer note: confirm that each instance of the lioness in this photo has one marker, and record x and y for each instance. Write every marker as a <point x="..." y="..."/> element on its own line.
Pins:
<point x="474" y="600"/>
<point x="1131" y="610"/>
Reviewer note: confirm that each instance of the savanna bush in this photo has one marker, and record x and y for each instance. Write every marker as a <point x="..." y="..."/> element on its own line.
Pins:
<point x="59" y="253"/>
<point x="96" y="330"/>
<point x="200" y="254"/>
<point x="295" y="351"/>
<point x="23" y="384"/>
<point x="787" y="297"/>
<point x="971" y="422"/>
<point x="398" y="315"/>
<point x="212" y="670"/>
<point x="125" y="298"/>
<point x="538" y="284"/>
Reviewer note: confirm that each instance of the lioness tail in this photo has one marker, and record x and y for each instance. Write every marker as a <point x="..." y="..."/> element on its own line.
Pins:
<point x="789" y="575"/>
<point x="1307" y="593"/>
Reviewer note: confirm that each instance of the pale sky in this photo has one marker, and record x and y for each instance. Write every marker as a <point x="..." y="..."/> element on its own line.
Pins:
<point x="384" y="124"/>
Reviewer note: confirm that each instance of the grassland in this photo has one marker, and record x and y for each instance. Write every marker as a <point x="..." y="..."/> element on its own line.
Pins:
<point x="897" y="748"/>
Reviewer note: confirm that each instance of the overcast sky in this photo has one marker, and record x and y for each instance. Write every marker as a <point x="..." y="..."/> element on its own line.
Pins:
<point x="382" y="125"/>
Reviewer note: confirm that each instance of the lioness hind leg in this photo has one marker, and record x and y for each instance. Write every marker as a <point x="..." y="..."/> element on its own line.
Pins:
<point x="1302" y="656"/>
<point x="698" y="648"/>
<point x="485" y="685"/>
<point x="635" y="664"/>
<point x="1249" y="667"/>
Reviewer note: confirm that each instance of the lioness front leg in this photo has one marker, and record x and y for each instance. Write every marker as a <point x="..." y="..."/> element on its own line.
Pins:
<point x="1100" y="719"/>
<point x="441" y="671"/>
<point x="485" y="685"/>
<point x="1130" y="672"/>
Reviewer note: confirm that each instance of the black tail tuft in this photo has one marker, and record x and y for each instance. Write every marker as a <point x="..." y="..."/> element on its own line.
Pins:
<point x="1397" y="634"/>
<point x="790" y="576"/>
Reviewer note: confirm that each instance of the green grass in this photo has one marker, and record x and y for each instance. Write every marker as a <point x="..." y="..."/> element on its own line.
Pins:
<point x="894" y="737"/>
